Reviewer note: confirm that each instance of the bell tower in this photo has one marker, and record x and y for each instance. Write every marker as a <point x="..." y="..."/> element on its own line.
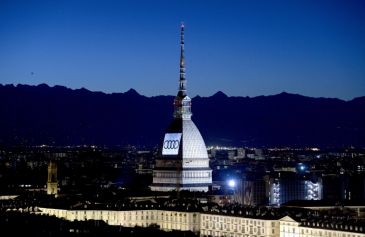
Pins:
<point x="52" y="183"/>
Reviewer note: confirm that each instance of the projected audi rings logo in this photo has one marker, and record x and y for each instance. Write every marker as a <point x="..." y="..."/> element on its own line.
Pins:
<point x="171" y="144"/>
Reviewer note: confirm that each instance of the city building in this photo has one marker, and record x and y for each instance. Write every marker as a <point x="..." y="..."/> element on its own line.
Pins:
<point x="288" y="186"/>
<point x="52" y="182"/>
<point x="254" y="189"/>
<point x="237" y="222"/>
<point x="183" y="163"/>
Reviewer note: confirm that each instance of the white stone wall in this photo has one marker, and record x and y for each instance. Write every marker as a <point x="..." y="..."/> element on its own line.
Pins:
<point x="219" y="225"/>
<point x="291" y="228"/>
<point x="167" y="220"/>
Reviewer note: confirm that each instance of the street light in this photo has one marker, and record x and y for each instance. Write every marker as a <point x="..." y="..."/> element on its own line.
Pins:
<point x="302" y="167"/>
<point x="231" y="183"/>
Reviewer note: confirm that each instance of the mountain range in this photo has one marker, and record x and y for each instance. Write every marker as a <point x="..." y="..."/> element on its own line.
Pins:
<point x="34" y="115"/>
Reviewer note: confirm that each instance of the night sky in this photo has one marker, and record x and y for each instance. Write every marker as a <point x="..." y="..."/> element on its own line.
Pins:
<point x="243" y="48"/>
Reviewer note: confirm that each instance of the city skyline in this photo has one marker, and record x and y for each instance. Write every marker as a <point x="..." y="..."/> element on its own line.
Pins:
<point x="265" y="136"/>
<point x="241" y="48"/>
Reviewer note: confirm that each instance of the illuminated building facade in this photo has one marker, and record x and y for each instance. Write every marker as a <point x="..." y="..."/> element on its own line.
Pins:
<point x="289" y="186"/>
<point x="183" y="163"/>
<point x="233" y="224"/>
<point x="52" y="183"/>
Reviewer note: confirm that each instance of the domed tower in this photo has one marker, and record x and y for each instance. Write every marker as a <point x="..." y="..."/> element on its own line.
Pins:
<point x="183" y="163"/>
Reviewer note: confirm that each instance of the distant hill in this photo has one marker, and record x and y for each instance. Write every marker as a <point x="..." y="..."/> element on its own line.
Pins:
<point x="33" y="115"/>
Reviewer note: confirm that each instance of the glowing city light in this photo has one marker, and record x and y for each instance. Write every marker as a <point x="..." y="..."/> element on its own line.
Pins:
<point x="231" y="183"/>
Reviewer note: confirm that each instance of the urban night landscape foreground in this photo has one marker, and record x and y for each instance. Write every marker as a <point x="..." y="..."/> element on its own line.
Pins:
<point x="255" y="162"/>
<point x="262" y="192"/>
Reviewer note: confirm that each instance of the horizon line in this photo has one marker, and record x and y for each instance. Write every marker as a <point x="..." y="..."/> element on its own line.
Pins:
<point x="133" y="89"/>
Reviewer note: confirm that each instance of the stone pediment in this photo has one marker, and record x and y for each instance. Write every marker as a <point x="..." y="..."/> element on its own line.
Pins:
<point x="288" y="219"/>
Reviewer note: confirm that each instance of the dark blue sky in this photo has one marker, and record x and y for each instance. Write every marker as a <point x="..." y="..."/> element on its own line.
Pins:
<point x="246" y="48"/>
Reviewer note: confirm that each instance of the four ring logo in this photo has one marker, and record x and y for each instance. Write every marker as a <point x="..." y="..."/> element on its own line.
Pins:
<point x="171" y="144"/>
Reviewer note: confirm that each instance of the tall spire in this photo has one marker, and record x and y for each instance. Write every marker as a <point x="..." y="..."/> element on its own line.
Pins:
<point x="182" y="102"/>
<point x="182" y="84"/>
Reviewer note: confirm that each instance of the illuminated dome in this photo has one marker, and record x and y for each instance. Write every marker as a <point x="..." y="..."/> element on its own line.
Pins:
<point x="192" y="145"/>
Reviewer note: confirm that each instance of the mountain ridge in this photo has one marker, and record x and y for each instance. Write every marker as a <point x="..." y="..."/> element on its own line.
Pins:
<point x="58" y="115"/>
<point x="134" y="91"/>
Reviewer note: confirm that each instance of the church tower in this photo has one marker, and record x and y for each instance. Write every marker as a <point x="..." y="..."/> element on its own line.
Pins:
<point x="183" y="163"/>
<point x="52" y="184"/>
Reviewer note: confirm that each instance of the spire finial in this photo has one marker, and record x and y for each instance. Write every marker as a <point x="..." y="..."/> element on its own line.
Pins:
<point x="182" y="102"/>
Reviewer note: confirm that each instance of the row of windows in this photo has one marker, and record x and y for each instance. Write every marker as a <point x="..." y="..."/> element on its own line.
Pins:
<point x="193" y="174"/>
<point x="196" y="174"/>
<point x="327" y="233"/>
<point x="210" y="233"/>
<point x="235" y="220"/>
<point x="134" y="216"/>
<point x="316" y="232"/>
<point x="234" y="228"/>
<point x="167" y="175"/>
